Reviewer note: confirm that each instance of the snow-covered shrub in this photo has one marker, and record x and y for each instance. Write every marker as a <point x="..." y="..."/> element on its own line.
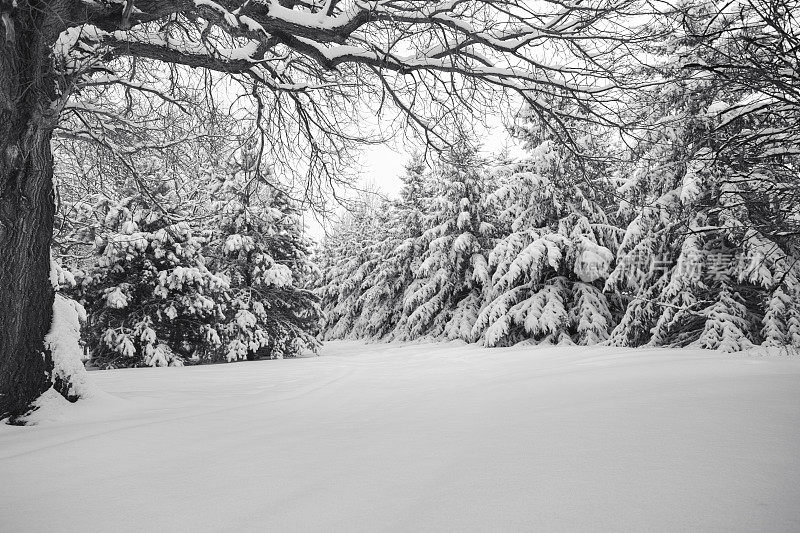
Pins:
<point x="64" y="343"/>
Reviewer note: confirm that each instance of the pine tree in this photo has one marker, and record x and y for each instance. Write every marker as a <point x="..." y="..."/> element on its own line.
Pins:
<point x="726" y="326"/>
<point x="193" y="268"/>
<point x="444" y="298"/>
<point x="703" y="230"/>
<point x="400" y="250"/>
<point x="150" y="299"/>
<point x="556" y="247"/>
<point x="256" y="240"/>
<point x="348" y="261"/>
<point x="775" y="323"/>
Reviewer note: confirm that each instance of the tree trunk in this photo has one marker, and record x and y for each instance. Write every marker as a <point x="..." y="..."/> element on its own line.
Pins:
<point x="27" y="92"/>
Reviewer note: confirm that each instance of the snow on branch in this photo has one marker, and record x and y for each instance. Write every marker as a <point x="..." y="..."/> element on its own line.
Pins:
<point x="510" y="44"/>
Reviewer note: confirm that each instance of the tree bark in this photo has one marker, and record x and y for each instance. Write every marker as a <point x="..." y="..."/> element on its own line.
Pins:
<point x="27" y="120"/>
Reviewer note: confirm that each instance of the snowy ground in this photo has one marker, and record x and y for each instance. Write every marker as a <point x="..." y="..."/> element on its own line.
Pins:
<point x="420" y="438"/>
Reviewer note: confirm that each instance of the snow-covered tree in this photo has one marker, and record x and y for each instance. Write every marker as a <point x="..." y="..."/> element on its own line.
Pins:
<point x="557" y="243"/>
<point x="348" y="263"/>
<point x="150" y="298"/>
<point x="255" y="238"/>
<point x="199" y="266"/>
<point x="704" y="252"/>
<point x="446" y="294"/>
<point x="368" y="260"/>
<point x="400" y="253"/>
<point x="726" y="323"/>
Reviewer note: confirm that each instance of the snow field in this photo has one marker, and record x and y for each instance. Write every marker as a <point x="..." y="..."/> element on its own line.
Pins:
<point x="424" y="437"/>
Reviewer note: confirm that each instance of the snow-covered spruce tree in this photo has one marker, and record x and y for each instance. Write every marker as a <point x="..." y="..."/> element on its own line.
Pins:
<point x="400" y="251"/>
<point x="446" y="294"/>
<point x="663" y="159"/>
<point x="705" y="260"/>
<point x="557" y="244"/>
<point x="255" y="240"/>
<point x="149" y="296"/>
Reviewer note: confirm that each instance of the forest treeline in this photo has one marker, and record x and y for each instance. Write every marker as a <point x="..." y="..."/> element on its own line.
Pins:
<point x="680" y="229"/>
<point x="675" y="224"/>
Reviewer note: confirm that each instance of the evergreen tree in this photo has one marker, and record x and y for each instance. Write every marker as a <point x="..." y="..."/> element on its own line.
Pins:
<point x="400" y="251"/>
<point x="149" y="296"/>
<point x="699" y="237"/>
<point x="348" y="261"/>
<point x="257" y="242"/>
<point x="446" y="294"/>
<point x="557" y="243"/>
<point x="194" y="269"/>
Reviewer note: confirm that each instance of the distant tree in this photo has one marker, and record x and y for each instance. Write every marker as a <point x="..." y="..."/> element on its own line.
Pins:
<point x="348" y="261"/>
<point x="399" y="251"/>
